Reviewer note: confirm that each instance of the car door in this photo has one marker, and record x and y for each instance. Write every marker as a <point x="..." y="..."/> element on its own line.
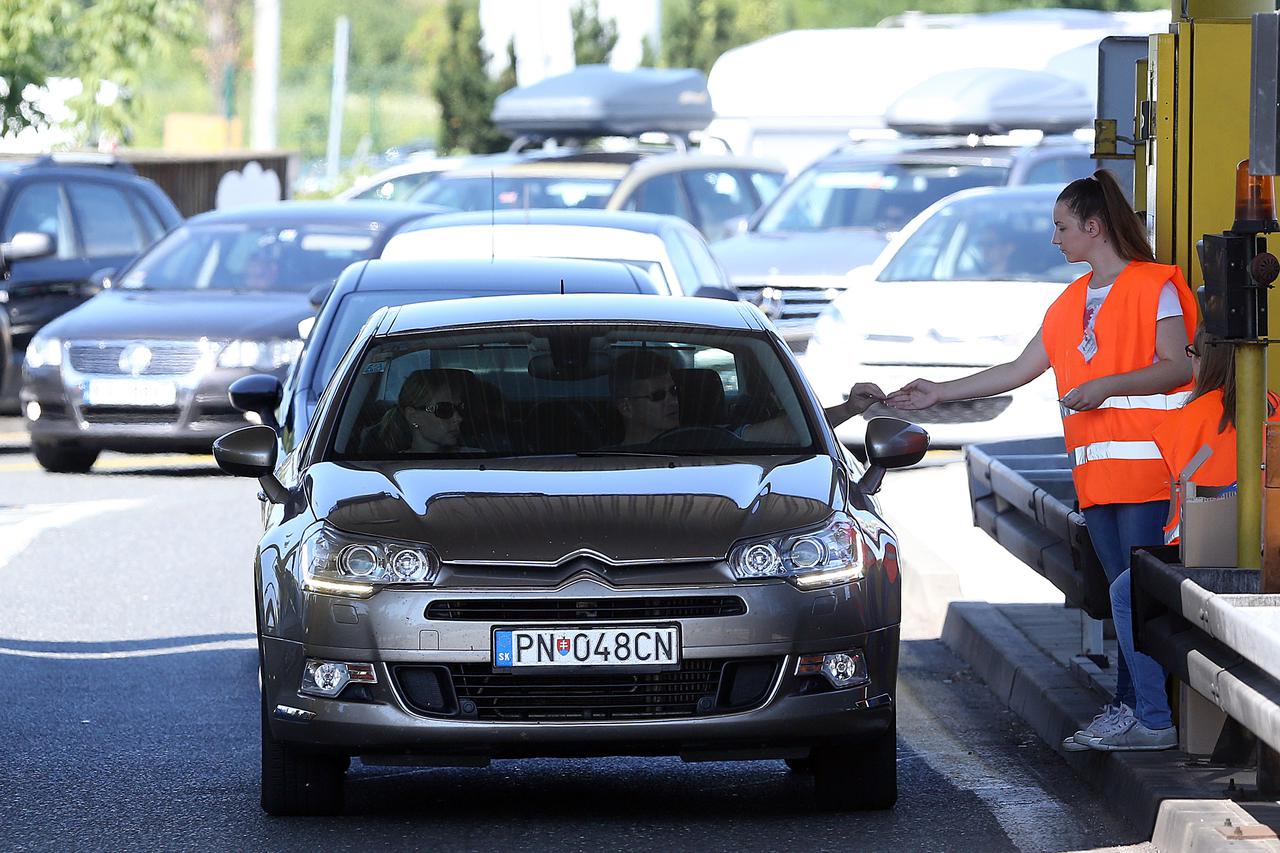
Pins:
<point x="40" y="289"/>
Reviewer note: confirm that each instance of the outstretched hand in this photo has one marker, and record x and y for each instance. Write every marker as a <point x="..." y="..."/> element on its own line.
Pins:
<point x="915" y="395"/>
<point x="862" y="395"/>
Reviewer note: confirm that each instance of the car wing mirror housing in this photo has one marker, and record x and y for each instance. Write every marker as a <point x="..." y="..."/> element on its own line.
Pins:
<point x="318" y="294"/>
<point x="891" y="443"/>
<point x="26" y="245"/>
<point x="251" y="452"/>
<point x="711" y="291"/>
<point x="259" y="393"/>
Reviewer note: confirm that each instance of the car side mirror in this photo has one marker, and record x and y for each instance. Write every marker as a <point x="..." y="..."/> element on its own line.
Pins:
<point x="891" y="443"/>
<point x="259" y="393"/>
<point x="251" y="452"/>
<point x="712" y="291"/>
<point x="318" y="294"/>
<point x="26" y="245"/>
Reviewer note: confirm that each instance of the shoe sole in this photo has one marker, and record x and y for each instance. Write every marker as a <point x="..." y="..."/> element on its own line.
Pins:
<point x="1070" y="745"/>
<point x="1104" y="747"/>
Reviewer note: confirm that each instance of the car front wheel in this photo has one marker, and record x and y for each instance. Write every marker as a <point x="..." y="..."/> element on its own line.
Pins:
<point x="64" y="460"/>
<point x="296" y="782"/>
<point x="859" y="776"/>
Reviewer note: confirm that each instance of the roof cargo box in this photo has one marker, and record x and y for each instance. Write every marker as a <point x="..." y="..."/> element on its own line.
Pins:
<point x="595" y="100"/>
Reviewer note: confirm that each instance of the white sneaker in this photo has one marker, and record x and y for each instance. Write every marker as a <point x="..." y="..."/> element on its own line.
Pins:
<point x="1137" y="737"/>
<point x="1119" y="719"/>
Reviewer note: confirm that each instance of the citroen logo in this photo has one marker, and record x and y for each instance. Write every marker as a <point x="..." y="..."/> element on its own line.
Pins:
<point x="135" y="358"/>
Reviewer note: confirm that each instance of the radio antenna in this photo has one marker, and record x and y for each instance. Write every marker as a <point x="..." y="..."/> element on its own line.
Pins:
<point x="493" y="216"/>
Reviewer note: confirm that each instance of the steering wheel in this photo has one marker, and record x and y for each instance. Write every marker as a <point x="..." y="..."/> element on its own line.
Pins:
<point x="697" y="438"/>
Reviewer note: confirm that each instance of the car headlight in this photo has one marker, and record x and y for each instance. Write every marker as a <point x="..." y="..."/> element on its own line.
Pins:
<point x="260" y="355"/>
<point x="338" y="563"/>
<point x="834" y="553"/>
<point x="44" y="352"/>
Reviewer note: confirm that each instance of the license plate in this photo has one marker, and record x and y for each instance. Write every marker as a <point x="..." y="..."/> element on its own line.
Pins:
<point x="518" y="648"/>
<point x="130" y="392"/>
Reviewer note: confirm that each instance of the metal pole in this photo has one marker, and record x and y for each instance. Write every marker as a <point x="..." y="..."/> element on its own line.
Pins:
<point x="1251" y="395"/>
<point x="266" y="72"/>
<point x="341" y="39"/>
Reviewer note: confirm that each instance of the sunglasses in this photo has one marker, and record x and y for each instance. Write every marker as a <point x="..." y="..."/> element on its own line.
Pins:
<point x="444" y="409"/>
<point x="655" y="396"/>
<point x="1192" y="352"/>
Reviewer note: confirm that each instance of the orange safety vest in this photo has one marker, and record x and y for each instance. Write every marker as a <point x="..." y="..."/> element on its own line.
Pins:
<point x="1183" y="435"/>
<point x="1113" y="457"/>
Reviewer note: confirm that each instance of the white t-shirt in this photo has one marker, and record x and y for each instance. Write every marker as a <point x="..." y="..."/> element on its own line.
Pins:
<point x="1169" y="306"/>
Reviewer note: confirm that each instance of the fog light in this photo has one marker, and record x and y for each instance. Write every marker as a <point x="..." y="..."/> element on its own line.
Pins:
<point x="328" y="678"/>
<point x="840" y="669"/>
<point x="33" y="410"/>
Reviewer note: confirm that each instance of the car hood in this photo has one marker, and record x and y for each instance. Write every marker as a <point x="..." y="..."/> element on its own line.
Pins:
<point x="549" y="510"/>
<point x="953" y="322"/>
<point x="751" y="256"/>
<point x="181" y="315"/>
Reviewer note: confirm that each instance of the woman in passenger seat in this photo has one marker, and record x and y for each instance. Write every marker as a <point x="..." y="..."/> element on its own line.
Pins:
<point x="427" y="417"/>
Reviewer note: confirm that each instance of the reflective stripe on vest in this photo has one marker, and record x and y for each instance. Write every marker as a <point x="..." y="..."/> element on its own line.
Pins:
<point x="1154" y="402"/>
<point x="1116" y="450"/>
<point x="1173" y="534"/>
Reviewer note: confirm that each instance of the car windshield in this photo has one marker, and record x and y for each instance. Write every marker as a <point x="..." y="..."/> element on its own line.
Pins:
<point x="551" y="389"/>
<point x="990" y="238"/>
<point x="396" y="189"/>
<point x="252" y="258"/>
<point x="881" y="197"/>
<point x="481" y="192"/>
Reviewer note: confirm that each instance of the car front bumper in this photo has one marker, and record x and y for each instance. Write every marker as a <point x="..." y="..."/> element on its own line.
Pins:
<point x="784" y="715"/>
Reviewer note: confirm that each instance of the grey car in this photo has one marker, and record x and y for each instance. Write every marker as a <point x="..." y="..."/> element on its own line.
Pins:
<point x="573" y="525"/>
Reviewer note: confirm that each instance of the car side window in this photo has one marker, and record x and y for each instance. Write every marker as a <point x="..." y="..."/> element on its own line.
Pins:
<point x="660" y="194"/>
<point x="1059" y="170"/>
<point x="718" y="195"/>
<point x="106" y="220"/>
<point x="152" y="226"/>
<point x="767" y="185"/>
<point x="42" y="207"/>
<point x="709" y="272"/>
<point x="685" y="269"/>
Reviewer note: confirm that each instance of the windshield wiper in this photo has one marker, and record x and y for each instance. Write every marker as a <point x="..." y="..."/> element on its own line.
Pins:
<point x="596" y="454"/>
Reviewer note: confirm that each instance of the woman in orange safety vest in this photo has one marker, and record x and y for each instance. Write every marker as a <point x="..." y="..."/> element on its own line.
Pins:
<point x="1116" y="340"/>
<point x="1206" y="421"/>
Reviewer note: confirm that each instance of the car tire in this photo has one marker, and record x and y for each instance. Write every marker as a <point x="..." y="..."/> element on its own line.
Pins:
<point x="64" y="460"/>
<point x="296" y="782"/>
<point x="857" y="777"/>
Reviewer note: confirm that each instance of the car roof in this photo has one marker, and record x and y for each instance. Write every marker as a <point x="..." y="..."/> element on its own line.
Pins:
<point x="579" y="308"/>
<point x="523" y="275"/>
<point x="679" y="161"/>
<point x="648" y="223"/>
<point x="540" y="168"/>
<point x="372" y="213"/>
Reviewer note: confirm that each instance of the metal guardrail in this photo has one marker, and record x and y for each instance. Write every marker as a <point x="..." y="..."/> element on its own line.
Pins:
<point x="1224" y="645"/>
<point x="1023" y="497"/>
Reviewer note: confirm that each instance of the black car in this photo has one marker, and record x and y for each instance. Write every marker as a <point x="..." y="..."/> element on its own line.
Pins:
<point x="94" y="216"/>
<point x="365" y="287"/>
<point x="506" y="534"/>
<point x="144" y="366"/>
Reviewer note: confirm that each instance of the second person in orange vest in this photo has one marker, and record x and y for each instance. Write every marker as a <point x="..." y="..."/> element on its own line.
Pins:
<point x="1116" y="340"/>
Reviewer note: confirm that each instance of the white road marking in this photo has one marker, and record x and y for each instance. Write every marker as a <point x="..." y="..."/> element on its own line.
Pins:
<point x="20" y="525"/>
<point x="212" y="646"/>
<point x="1032" y="818"/>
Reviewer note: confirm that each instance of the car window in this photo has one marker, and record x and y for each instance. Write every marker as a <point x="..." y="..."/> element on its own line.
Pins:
<point x="41" y="207"/>
<point x="517" y="193"/>
<point x="718" y="195"/>
<point x="1059" y="170"/>
<point x="883" y="197"/>
<point x="991" y="238"/>
<point x="685" y="269"/>
<point x="396" y="189"/>
<point x="539" y="389"/>
<point x="660" y="194"/>
<point x="704" y="263"/>
<point x="152" y="227"/>
<point x="105" y="217"/>
<point x="767" y="185"/>
<point x="250" y="258"/>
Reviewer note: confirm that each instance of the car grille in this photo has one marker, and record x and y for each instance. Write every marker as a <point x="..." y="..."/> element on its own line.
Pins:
<point x="473" y="691"/>
<point x="587" y="610"/>
<point x="803" y="300"/>
<point x="128" y="415"/>
<point x="168" y="358"/>
<point x="957" y="412"/>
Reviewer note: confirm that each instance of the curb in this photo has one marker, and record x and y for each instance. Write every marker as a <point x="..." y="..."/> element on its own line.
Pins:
<point x="1182" y="807"/>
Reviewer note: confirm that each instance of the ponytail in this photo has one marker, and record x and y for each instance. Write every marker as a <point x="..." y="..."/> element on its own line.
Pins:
<point x="1100" y="197"/>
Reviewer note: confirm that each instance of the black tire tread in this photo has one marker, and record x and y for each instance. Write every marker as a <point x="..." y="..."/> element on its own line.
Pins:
<point x="64" y="460"/>
<point x="299" y="783"/>
<point x="857" y="777"/>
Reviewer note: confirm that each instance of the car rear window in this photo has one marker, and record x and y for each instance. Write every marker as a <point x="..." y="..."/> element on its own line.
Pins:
<point x="541" y="390"/>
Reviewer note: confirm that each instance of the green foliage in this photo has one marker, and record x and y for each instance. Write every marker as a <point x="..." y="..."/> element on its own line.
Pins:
<point x="104" y="43"/>
<point x="463" y="87"/>
<point x="648" y="53"/>
<point x="593" y="38"/>
<point x="507" y="79"/>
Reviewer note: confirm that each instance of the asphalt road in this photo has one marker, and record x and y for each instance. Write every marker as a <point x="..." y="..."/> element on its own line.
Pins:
<point x="130" y="714"/>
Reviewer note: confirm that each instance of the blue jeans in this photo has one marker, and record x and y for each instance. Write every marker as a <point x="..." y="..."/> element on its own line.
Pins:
<point x="1148" y="676"/>
<point x="1114" y="530"/>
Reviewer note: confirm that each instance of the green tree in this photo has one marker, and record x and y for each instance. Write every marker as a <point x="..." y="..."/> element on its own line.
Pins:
<point x="106" y="44"/>
<point x="593" y="37"/>
<point x="648" y="53"/>
<point x="507" y="80"/>
<point x="463" y="87"/>
<point x="696" y="32"/>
